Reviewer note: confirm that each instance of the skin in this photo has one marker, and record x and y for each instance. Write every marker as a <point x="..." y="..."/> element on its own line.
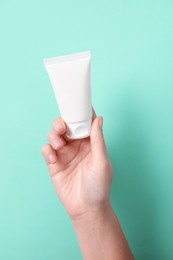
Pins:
<point x="81" y="173"/>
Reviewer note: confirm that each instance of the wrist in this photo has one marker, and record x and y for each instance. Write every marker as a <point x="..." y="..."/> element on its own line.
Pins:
<point x="93" y="219"/>
<point x="99" y="232"/>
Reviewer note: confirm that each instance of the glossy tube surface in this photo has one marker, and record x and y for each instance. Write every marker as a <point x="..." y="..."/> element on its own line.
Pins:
<point x="70" y="79"/>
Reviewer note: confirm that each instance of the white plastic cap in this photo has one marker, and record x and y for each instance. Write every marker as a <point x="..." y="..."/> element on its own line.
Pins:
<point x="78" y="130"/>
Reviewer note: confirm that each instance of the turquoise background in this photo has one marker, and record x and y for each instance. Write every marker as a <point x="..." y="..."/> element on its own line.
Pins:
<point x="132" y="88"/>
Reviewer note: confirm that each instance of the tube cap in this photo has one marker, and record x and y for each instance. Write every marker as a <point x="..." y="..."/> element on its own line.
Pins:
<point x="78" y="130"/>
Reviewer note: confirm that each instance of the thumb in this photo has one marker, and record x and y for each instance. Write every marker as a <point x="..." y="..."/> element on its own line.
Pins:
<point x="98" y="147"/>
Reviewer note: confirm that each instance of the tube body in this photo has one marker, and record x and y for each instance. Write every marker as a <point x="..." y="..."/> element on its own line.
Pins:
<point x="70" y="79"/>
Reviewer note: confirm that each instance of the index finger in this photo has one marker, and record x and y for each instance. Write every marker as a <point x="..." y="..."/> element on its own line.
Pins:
<point x="59" y="126"/>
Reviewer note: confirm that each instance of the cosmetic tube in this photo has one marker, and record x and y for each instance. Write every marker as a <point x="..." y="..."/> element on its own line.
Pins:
<point x="70" y="78"/>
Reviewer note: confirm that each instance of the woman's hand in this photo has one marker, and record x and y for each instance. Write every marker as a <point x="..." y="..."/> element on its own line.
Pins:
<point x="81" y="174"/>
<point x="80" y="169"/>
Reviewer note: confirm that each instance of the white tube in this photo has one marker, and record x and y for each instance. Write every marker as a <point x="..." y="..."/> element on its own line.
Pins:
<point x="70" y="79"/>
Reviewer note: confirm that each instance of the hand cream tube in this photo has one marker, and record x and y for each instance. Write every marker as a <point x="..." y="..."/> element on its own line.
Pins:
<point x="70" y="79"/>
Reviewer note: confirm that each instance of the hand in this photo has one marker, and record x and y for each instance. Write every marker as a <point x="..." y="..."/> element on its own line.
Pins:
<point x="80" y="169"/>
<point x="81" y="174"/>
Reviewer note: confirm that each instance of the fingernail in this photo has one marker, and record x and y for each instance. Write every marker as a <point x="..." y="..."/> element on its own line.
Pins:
<point x="52" y="158"/>
<point x="57" y="143"/>
<point x="101" y="122"/>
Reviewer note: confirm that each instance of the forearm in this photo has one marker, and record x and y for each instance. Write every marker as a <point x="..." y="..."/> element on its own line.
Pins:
<point x="100" y="237"/>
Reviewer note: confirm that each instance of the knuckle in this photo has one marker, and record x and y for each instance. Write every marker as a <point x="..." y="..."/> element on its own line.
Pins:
<point x="106" y="165"/>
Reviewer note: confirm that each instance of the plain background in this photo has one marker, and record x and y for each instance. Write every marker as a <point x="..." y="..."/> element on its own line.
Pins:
<point x="132" y="88"/>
